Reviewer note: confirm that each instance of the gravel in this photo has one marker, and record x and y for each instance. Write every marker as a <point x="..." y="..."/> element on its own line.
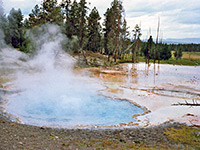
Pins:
<point x="20" y="136"/>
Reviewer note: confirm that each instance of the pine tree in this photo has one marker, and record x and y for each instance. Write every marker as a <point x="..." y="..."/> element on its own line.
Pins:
<point x="107" y="29"/>
<point x="178" y="53"/>
<point x="136" y="40"/>
<point x="15" y="19"/>
<point x="48" y="12"/>
<point x="82" y="26"/>
<point x="112" y="23"/>
<point x="51" y="12"/>
<point x="34" y="17"/>
<point x="72" y="23"/>
<point x="3" y="25"/>
<point x="117" y="10"/>
<point x="124" y="38"/>
<point x="147" y="52"/>
<point x="94" y="28"/>
<point x="67" y="6"/>
<point x="165" y="53"/>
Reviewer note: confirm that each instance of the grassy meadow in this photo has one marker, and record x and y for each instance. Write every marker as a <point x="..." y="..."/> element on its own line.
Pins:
<point x="188" y="59"/>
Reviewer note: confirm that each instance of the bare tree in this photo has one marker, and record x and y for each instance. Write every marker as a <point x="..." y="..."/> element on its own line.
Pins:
<point x="117" y="36"/>
<point x="160" y="45"/>
<point x="156" y="49"/>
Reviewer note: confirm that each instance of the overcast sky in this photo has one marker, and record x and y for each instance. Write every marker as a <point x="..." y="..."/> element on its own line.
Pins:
<point x="179" y="18"/>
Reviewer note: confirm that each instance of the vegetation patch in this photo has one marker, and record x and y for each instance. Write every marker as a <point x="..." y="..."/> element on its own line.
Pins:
<point x="185" y="135"/>
<point x="188" y="62"/>
<point x="172" y="61"/>
<point x="3" y="80"/>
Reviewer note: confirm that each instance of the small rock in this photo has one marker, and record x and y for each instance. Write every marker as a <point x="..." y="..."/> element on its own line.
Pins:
<point x="56" y="137"/>
<point x="135" y="116"/>
<point x="42" y="128"/>
<point x="198" y="134"/>
<point x="122" y="124"/>
<point x="135" y="124"/>
<point x="190" y="115"/>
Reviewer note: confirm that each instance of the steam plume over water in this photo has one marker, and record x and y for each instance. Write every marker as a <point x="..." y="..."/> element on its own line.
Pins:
<point x="51" y="94"/>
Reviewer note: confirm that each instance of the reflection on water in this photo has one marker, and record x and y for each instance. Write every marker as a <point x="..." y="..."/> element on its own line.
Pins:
<point x="161" y="75"/>
<point x="163" y="79"/>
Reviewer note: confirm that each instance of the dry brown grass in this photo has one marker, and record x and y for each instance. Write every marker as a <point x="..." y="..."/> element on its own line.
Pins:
<point x="191" y="55"/>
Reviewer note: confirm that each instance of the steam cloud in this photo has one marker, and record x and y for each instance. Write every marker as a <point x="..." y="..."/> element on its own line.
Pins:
<point x="51" y="70"/>
<point x="46" y="80"/>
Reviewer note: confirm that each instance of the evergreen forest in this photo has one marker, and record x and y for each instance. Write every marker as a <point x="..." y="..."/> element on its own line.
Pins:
<point x="112" y="37"/>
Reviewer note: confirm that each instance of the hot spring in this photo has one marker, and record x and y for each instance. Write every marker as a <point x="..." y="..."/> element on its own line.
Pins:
<point x="51" y="94"/>
<point x="71" y="111"/>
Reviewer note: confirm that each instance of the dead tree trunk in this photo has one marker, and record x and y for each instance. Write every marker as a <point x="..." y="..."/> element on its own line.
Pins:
<point x="117" y="38"/>
<point x="160" y="45"/>
<point x="187" y="104"/>
<point x="84" y="56"/>
<point x="156" y="49"/>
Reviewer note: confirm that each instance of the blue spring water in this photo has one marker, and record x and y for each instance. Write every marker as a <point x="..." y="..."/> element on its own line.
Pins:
<point x="98" y="110"/>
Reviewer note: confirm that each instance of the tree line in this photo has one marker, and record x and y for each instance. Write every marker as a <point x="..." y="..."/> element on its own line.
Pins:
<point x="81" y="25"/>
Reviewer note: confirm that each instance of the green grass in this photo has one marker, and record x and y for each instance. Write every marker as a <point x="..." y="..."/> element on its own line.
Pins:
<point x="187" y="62"/>
<point x="3" y="80"/>
<point x="185" y="135"/>
<point x="173" y="61"/>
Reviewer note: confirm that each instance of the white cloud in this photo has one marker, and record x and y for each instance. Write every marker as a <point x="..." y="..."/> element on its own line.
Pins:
<point x="25" y="5"/>
<point x="179" y="18"/>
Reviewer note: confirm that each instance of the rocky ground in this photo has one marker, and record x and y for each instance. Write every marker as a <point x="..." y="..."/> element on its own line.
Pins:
<point x="18" y="136"/>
